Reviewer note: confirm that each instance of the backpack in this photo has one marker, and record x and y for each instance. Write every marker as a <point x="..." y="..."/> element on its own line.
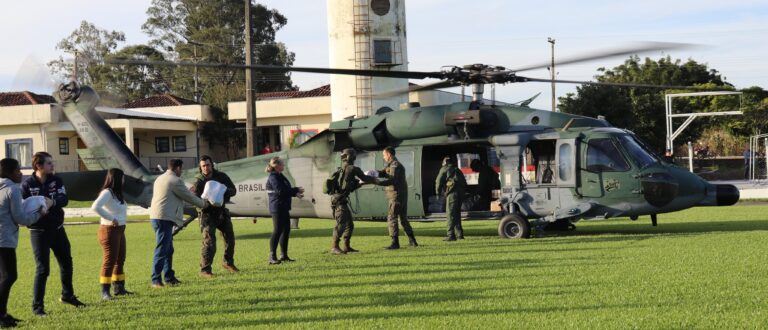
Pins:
<point x="332" y="186"/>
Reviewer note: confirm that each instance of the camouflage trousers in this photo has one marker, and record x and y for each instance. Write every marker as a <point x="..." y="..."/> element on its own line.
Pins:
<point x="453" y="211"/>
<point x="344" y="225"/>
<point x="209" y="223"/>
<point x="398" y="211"/>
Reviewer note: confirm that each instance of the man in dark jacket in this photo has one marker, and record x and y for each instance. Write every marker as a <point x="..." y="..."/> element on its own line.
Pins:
<point x="212" y="218"/>
<point x="48" y="233"/>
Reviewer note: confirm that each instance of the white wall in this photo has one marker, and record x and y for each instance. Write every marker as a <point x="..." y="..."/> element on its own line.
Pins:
<point x="342" y="45"/>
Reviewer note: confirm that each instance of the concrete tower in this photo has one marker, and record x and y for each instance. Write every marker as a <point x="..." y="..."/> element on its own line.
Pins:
<point x="366" y="34"/>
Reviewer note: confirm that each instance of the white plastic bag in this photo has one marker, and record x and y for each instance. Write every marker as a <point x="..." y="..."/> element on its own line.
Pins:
<point x="214" y="193"/>
<point x="34" y="203"/>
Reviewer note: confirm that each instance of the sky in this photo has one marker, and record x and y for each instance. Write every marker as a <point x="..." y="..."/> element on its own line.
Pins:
<point x="733" y="36"/>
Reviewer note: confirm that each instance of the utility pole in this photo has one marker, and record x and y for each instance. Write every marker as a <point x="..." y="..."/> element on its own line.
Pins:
<point x="74" y="74"/>
<point x="251" y="137"/>
<point x="552" y="73"/>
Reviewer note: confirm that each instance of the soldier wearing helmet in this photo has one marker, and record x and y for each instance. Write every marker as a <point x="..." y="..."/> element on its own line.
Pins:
<point x="348" y="175"/>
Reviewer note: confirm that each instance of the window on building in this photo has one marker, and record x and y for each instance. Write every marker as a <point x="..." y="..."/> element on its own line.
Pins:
<point x="63" y="146"/>
<point x="179" y="143"/>
<point x="382" y="52"/>
<point x="162" y="144"/>
<point x="21" y="150"/>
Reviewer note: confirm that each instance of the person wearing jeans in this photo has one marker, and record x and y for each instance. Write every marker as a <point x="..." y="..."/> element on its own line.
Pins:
<point x="48" y="233"/>
<point x="167" y="210"/>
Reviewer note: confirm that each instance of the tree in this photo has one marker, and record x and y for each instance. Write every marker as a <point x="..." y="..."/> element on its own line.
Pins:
<point x="213" y="31"/>
<point x="132" y="82"/>
<point x="642" y="109"/>
<point x="91" y="44"/>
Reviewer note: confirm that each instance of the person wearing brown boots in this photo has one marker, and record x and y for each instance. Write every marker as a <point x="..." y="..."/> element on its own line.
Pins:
<point x="112" y="208"/>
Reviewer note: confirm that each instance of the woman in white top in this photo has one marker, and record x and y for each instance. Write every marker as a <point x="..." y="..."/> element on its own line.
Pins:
<point x="111" y="206"/>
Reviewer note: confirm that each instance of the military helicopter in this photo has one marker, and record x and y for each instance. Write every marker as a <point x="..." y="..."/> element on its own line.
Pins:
<point x="554" y="167"/>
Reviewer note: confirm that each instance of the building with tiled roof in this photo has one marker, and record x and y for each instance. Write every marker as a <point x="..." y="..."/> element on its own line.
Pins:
<point x="165" y="100"/>
<point x="317" y="92"/>
<point x="164" y="127"/>
<point x="24" y="98"/>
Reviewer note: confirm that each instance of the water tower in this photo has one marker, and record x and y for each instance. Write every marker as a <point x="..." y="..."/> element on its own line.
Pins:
<point x="366" y="34"/>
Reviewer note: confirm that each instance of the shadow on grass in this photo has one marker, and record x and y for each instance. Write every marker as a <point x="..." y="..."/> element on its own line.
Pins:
<point x="350" y="303"/>
<point x="398" y="299"/>
<point x="685" y="228"/>
<point x="593" y="233"/>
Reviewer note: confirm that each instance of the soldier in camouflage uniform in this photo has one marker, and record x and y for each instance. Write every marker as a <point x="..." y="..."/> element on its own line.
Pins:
<point x="397" y="194"/>
<point x="212" y="218"/>
<point x="451" y="182"/>
<point x="340" y="200"/>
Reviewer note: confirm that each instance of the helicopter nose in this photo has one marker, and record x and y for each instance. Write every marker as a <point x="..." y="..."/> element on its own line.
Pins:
<point x="727" y="194"/>
<point x="659" y="189"/>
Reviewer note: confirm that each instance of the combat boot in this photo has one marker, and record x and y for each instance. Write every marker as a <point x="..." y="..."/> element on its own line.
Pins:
<point x="120" y="289"/>
<point x="347" y="247"/>
<point x="412" y="241"/>
<point x="273" y="259"/>
<point x="335" y="248"/>
<point x="460" y="234"/>
<point x="395" y="244"/>
<point x="285" y="257"/>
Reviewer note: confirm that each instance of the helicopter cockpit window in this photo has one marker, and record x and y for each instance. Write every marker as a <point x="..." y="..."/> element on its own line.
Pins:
<point x="639" y="155"/>
<point x="604" y="156"/>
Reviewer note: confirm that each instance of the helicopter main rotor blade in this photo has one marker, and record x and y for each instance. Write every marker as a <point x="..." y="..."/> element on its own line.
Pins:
<point x="598" y="83"/>
<point x="283" y="69"/>
<point x="416" y="88"/>
<point x="644" y="47"/>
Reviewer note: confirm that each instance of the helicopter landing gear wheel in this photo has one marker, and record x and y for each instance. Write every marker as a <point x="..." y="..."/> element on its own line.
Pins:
<point x="514" y="226"/>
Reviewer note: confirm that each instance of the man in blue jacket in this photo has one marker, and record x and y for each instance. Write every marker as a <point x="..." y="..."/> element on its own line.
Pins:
<point x="48" y="233"/>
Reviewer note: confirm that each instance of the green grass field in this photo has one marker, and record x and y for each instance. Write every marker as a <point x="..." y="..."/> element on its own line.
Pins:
<point x="701" y="268"/>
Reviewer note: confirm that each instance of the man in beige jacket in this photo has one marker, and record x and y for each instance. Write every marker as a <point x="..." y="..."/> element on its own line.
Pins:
<point x="167" y="210"/>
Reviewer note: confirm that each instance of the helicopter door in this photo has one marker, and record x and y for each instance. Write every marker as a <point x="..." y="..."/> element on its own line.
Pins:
<point x="603" y="167"/>
<point x="370" y="201"/>
<point x="565" y="157"/>
<point x="408" y="158"/>
<point x="538" y="172"/>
